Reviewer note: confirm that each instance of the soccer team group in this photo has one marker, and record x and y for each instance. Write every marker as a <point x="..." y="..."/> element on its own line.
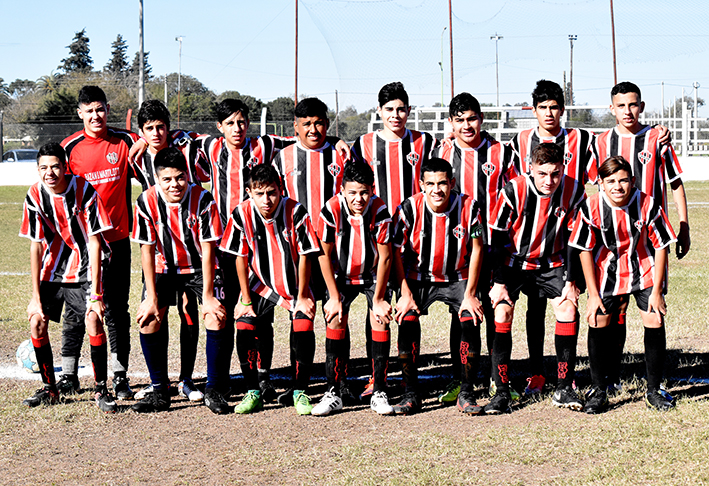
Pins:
<point x="468" y="221"/>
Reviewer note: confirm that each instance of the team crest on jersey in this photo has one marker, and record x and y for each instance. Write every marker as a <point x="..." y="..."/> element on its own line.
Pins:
<point x="413" y="158"/>
<point x="459" y="232"/>
<point x="286" y="233"/>
<point x="375" y="162"/>
<point x="488" y="168"/>
<point x="253" y="162"/>
<point x="568" y="157"/>
<point x="191" y="222"/>
<point x="644" y="157"/>
<point x="112" y="158"/>
<point x="334" y="169"/>
<point x="639" y="225"/>
<point x="527" y="160"/>
<point x="559" y="212"/>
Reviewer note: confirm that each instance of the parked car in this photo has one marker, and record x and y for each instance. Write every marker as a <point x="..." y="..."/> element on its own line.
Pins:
<point x="20" y="155"/>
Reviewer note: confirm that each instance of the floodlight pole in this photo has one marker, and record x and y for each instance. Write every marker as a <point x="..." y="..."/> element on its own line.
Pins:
<point x="450" y="32"/>
<point x="141" y="68"/>
<point x="296" y="52"/>
<point x="572" y="38"/>
<point x="179" y="79"/>
<point x="615" y="71"/>
<point x="496" y="38"/>
<point x="441" y="63"/>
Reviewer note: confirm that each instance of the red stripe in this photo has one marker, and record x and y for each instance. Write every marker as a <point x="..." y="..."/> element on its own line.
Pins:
<point x="334" y="334"/>
<point x="39" y="342"/>
<point x="244" y="326"/>
<point x="302" y="325"/>
<point x="97" y="340"/>
<point x="381" y="336"/>
<point x="566" y="328"/>
<point x="503" y="327"/>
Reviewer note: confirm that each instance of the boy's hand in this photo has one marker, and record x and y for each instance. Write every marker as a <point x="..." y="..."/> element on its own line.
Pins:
<point x="683" y="241"/>
<point x="498" y="293"/>
<point x="306" y="306"/>
<point x="664" y="135"/>
<point x="137" y="151"/>
<point x="211" y="306"/>
<point x="242" y="310"/>
<point x="147" y="312"/>
<point x="344" y="150"/>
<point x="96" y="306"/>
<point x="657" y="303"/>
<point x="382" y="311"/>
<point x="333" y="308"/>
<point x="592" y="305"/>
<point x="448" y="140"/>
<point x="571" y="293"/>
<point x="404" y="305"/>
<point x="35" y="307"/>
<point x="472" y="304"/>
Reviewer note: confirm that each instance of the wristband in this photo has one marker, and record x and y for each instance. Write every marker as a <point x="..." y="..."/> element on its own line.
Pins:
<point x="96" y="298"/>
<point x="244" y="303"/>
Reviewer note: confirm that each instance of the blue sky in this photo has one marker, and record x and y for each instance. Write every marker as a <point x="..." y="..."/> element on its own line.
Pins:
<point x="357" y="46"/>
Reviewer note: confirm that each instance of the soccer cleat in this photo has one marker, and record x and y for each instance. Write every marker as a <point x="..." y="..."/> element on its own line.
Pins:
<point x="188" y="390"/>
<point x="535" y="384"/>
<point x="44" y="396"/>
<point x="216" y="403"/>
<point x="467" y="404"/>
<point x="499" y="404"/>
<point x="655" y="400"/>
<point x="662" y="391"/>
<point x="302" y="402"/>
<point x="614" y="389"/>
<point x="121" y="388"/>
<point x="408" y="405"/>
<point x="140" y="394"/>
<point x="346" y="394"/>
<point x="157" y="401"/>
<point x="68" y="384"/>
<point x="450" y="394"/>
<point x="268" y="392"/>
<point x="285" y="399"/>
<point x="251" y="403"/>
<point x="380" y="403"/>
<point x="514" y="395"/>
<point x="368" y="389"/>
<point x="566" y="397"/>
<point x="596" y="400"/>
<point x="104" y="400"/>
<point x="328" y="403"/>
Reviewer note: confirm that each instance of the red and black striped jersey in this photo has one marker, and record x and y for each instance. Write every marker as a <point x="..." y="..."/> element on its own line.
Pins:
<point x="396" y="163"/>
<point x="184" y="142"/>
<point x="481" y="173"/>
<point x="272" y="246"/>
<point x="579" y="157"/>
<point x="355" y="237"/>
<point x="537" y="225"/>
<point x="621" y="239"/>
<point x="311" y="177"/>
<point x="436" y="246"/>
<point x="654" y="165"/>
<point x="64" y="222"/>
<point x="104" y="163"/>
<point x="176" y="229"/>
<point x="226" y="169"/>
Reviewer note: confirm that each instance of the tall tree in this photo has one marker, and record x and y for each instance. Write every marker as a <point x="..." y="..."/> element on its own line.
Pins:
<point x="118" y="65"/>
<point x="21" y="87"/>
<point x="79" y="59"/>
<point x="4" y="94"/>
<point x="135" y="67"/>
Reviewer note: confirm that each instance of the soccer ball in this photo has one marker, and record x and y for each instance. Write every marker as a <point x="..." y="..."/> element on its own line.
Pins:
<point x="26" y="358"/>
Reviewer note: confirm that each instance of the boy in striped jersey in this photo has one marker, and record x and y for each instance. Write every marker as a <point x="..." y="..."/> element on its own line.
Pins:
<point x="623" y="235"/>
<point x="272" y="238"/>
<point x="530" y="237"/>
<point x="354" y="228"/>
<point x="64" y="218"/>
<point x="438" y="238"/>
<point x="177" y="225"/>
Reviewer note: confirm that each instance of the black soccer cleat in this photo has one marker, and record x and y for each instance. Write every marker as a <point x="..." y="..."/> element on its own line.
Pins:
<point x="566" y="397"/>
<point x="285" y="399"/>
<point x="121" y="388"/>
<point x="596" y="401"/>
<point x="157" y="401"/>
<point x="346" y="394"/>
<point x="104" y="400"/>
<point x="499" y="404"/>
<point x="68" y="384"/>
<point x="44" y="396"/>
<point x="656" y="400"/>
<point x="467" y="404"/>
<point x="216" y="403"/>
<point x="268" y="392"/>
<point x="408" y="405"/>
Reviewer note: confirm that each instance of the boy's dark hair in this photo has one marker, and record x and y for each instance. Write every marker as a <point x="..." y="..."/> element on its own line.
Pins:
<point x="393" y="91"/>
<point x="170" y="158"/>
<point x="462" y="103"/>
<point x="358" y="171"/>
<point x="263" y="175"/>
<point x="547" y="153"/>
<point x="89" y="94"/>
<point x="613" y="165"/>
<point x="436" y="164"/>
<point x="625" y="87"/>
<point x="228" y="107"/>
<point x="153" y="110"/>
<point x="547" y="90"/>
<point x="52" y="149"/>
<point x="311" y="107"/>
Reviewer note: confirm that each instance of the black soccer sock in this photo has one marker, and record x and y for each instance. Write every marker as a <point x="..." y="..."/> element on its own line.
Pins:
<point x="536" y="315"/>
<point x="99" y="356"/>
<point x="454" y="343"/>
<point x="409" y="345"/>
<point x="264" y="343"/>
<point x="368" y="336"/>
<point x="189" y="340"/>
<point x="72" y="339"/>
<point x="468" y="351"/>
<point x="501" y="352"/>
<point x="335" y="356"/>
<point x="246" y="349"/>
<point x="45" y="360"/>
<point x="565" y="340"/>
<point x="600" y="352"/>
<point x="303" y="339"/>
<point x="655" y="351"/>
<point x="381" y="347"/>
<point x="490" y="342"/>
<point x="155" y="351"/>
<point x="619" y="331"/>
<point x="219" y="348"/>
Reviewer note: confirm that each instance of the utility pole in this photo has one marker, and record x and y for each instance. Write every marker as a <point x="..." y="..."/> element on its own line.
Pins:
<point x="695" y="85"/>
<point x="179" y="79"/>
<point x="450" y="31"/>
<point x="296" y="52"/>
<point x="615" y="71"/>
<point x="496" y="38"/>
<point x="337" y="115"/>
<point x="441" y="63"/>
<point x="141" y="69"/>
<point x="572" y="38"/>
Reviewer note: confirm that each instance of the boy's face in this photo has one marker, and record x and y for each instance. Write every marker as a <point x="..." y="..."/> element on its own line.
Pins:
<point x="626" y="108"/>
<point x="234" y="129"/>
<point x="95" y="116"/>
<point x="173" y="183"/>
<point x="548" y="115"/>
<point x="266" y="198"/>
<point x="547" y="177"/>
<point x="52" y="173"/>
<point x="467" y="126"/>
<point x="155" y="133"/>
<point x="437" y="187"/>
<point x="617" y="187"/>
<point x="394" y="115"/>
<point x="311" y="131"/>
<point x="357" y="196"/>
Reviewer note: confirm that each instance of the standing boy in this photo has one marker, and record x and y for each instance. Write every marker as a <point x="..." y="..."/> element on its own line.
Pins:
<point x="64" y="218"/>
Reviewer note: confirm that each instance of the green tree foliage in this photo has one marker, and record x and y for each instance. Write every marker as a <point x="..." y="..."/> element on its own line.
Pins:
<point x="4" y="94"/>
<point x="135" y="67"/>
<point x="255" y="105"/>
<point x="79" y="59"/>
<point x="196" y="100"/>
<point x="118" y="64"/>
<point x="21" y="87"/>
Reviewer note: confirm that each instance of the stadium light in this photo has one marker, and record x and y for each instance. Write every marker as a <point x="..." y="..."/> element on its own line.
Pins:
<point x="441" y="63"/>
<point x="179" y="79"/>
<point x="497" y="72"/>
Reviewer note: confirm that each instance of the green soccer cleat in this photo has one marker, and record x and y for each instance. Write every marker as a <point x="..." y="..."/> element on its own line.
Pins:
<point x="450" y="394"/>
<point x="301" y="401"/>
<point x="514" y="395"/>
<point x="251" y="403"/>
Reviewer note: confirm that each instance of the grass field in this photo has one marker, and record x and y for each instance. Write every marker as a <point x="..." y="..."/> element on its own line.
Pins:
<point x="74" y="443"/>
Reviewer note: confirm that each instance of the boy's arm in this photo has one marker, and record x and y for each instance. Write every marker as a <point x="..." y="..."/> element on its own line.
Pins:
<point x="380" y="307"/>
<point x="333" y="306"/>
<point x="96" y="300"/>
<point x="594" y="299"/>
<point x="680" y="198"/>
<point x="470" y="302"/>
<point x="657" y="301"/>
<point x="305" y="302"/>
<point x="405" y="303"/>
<point x="148" y="309"/>
<point x="210" y="305"/>
<point x="244" y="308"/>
<point x="35" y="305"/>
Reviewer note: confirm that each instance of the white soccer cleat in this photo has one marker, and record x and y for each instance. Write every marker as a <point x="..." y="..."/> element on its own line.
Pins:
<point x="380" y="403"/>
<point x="328" y="404"/>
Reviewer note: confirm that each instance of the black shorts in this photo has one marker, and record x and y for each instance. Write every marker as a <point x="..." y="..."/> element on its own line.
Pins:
<point x="169" y="286"/>
<point x="348" y="294"/>
<point x="426" y="293"/>
<point x="547" y="283"/>
<point x="55" y="295"/>
<point x="226" y="280"/>
<point x="317" y="282"/>
<point x="615" y="302"/>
